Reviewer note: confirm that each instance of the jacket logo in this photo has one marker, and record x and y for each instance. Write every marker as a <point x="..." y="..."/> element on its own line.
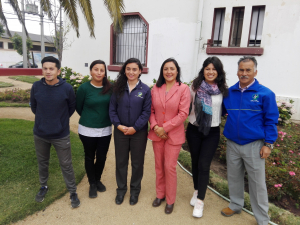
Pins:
<point x="139" y="94"/>
<point x="255" y="98"/>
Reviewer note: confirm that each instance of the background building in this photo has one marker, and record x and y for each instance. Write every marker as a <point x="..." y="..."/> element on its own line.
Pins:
<point x="9" y="56"/>
<point x="192" y="30"/>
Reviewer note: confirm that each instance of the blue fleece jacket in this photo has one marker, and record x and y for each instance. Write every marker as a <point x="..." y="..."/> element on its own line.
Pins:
<point x="132" y="109"/>
<point x="252" y="114"/>
<point x="52" y="105"/>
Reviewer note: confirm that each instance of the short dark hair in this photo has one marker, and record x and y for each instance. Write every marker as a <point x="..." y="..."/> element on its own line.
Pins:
<point x="247" y="59"/>
<point x="161" y="80"/>
<point x="51" y="59"/>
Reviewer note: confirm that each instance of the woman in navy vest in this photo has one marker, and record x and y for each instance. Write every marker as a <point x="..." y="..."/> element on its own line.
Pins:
<point x="129" y="111"/>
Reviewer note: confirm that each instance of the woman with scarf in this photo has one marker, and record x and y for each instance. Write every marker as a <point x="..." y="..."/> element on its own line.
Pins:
<point x="203" y="131"/>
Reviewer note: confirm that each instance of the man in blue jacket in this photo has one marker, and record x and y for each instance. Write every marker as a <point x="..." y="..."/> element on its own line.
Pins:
<point x="251" y="131"/>
<point x="52" y="100"/>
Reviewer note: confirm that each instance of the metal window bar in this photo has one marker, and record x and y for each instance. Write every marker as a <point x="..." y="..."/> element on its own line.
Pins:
<point x="218" y="27"/>
<point x="132" y="42"/>
<point x="237" y="25"/>
<point x="256" y="26"/>
<point x="237" y="28"/>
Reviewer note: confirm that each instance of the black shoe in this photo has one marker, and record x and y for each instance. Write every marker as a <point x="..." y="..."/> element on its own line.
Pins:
<point x="100" y="186"/>
<point x="93" y="191"/>
<point x="74" y="200"/>
<point x="119" y="199"/>
<point x="41" y="195"/>
<point x="133" y="200"/>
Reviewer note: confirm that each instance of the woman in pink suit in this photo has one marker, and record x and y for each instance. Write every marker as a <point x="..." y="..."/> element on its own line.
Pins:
<point x="170" y="108"/>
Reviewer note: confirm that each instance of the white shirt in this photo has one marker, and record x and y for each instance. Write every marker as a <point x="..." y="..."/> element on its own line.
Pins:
<point x="216" y="109"/>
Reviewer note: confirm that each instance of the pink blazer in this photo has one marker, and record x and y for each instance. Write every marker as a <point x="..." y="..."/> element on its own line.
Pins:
<point x="170" y="111"/>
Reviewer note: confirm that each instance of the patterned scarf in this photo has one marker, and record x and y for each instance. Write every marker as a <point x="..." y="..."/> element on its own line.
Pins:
<point x="203" y="106"/>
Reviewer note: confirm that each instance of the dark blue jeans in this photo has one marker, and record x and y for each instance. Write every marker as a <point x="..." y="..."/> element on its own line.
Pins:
<point x="202" y="149"/>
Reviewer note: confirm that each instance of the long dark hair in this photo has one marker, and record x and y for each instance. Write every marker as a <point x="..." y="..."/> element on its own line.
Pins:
<point x="220" y="80"/>
<point x="106" y="84"/>
<point x="121" y="80"/>
<point x="161" y="80"/>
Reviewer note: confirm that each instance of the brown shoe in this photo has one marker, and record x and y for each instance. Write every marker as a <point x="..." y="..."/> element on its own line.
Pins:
<point x="157" y="202"/>
<point x="169" y="208"/>
<point x="228" y="212"/>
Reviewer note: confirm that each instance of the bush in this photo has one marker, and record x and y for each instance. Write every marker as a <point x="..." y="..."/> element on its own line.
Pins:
<point x="73" y="78"/>
<point x="15" y="95"/>
<point x="285" y="111"/>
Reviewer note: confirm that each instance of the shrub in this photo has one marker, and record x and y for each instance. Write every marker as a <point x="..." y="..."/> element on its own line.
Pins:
<point x="15" y="95"/>
<point x="285" y="111"/>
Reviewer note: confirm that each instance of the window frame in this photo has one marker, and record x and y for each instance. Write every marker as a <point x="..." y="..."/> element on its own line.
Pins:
<point x="231" y="25"/>
<point x="213" y="26"/>
<point x="254" y="7"/>
<point x="117" y="68"/>
<point x="214" y="50"/>
<point x="2" y="45"/>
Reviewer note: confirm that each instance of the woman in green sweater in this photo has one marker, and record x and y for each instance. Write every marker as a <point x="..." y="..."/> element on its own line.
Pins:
<point x="92" y="104"/>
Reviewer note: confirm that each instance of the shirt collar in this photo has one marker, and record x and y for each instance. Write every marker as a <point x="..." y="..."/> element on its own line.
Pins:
<point x="245" y="88"/>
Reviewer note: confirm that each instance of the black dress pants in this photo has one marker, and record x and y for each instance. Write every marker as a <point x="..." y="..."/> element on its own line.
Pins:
<point x="95" y="146"/>
<point x="202" y="149"/>
<point x="136" y="145"/>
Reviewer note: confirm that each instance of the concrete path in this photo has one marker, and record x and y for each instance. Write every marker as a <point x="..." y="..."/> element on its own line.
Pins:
<point x="17" y="84"/>
<point x="103" y="210"/>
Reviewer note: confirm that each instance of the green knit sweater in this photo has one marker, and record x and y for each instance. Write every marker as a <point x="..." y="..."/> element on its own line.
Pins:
<point x="92" y="106"/>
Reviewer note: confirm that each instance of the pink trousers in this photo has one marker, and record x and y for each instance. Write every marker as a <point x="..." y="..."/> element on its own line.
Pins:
<point x="166" y="156"/>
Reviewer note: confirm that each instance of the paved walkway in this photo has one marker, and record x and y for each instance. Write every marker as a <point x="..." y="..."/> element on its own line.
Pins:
<point x="103" y="210"/>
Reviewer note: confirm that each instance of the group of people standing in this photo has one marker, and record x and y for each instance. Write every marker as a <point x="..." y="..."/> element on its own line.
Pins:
<point x="129" y="105"/>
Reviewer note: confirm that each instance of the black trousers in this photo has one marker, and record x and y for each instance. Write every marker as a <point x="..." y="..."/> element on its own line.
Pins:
<point x="202" y="149"/>
<point x="136" y="145"/>
<point x="95" y="146"/>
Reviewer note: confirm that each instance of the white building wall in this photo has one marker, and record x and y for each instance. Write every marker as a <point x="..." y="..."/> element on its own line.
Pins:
<point x="172" y="32"/>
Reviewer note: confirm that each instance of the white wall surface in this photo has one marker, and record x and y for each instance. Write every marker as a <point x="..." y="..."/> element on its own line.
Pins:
<point x="172" y="33"/>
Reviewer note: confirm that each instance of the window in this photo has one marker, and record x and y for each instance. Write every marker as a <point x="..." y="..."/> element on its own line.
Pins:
<point x="236" y="27"/>
<point x="36" y="48"/>
<point x="218" y="26"/>
<point x="256" y="26"/>
<point x="10" y="45"/>
<point x="132" y="42"/>
<point x="50" y="49"/>
<point x="1" y="44"/>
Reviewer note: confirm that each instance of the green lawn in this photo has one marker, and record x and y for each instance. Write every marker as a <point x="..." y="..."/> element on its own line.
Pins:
<point x="19" y="180"/>
<point x="4" y="85"/>
<point x="11" y="104"/>
<point x="28" y="79"/>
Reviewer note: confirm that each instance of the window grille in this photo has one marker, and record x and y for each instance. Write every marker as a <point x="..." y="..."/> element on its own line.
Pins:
<point x="50" y="49"/>
<point x="36" y="48"/>
<point x="236" y="27"/>
<point x="132" y="42"/>
<point x="258" y="14"/>
<point x="10" y="45"/>
<point x="1" y="44"/>
<point x="218" y="27"/>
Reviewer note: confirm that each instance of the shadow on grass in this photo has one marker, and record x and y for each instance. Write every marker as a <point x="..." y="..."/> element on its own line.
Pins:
<point x="19" y="180"/>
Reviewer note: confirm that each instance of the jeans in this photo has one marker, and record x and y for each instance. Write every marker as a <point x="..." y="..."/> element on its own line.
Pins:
<point x="202" y="149"/>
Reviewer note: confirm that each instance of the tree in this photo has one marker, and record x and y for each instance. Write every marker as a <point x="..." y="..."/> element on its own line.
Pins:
<point x="114" y="7"/>
<point x="17" y="44"/>
<point x="1" y="30"/>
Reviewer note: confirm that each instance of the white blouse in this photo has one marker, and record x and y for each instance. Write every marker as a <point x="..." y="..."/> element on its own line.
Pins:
<point x="216" y="109"/>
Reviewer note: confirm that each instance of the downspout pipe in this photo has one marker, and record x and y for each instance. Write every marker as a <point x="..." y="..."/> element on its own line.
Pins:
<point x="198" y="39"/>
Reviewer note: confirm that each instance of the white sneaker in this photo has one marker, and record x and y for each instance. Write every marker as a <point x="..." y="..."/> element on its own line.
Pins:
<point x="198" y="208"/>
<point x="194" y="198"/>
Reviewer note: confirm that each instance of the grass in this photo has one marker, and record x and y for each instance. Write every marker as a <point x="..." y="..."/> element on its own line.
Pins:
<point x="4" y="85"/>
<point x="19" y="180"/>
<point x="28" y="79"/>
<point x="10" y="104"/>
<point x="278" y="215"/>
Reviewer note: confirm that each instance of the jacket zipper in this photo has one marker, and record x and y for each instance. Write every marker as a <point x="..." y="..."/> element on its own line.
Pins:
<point x="238" y="123"/>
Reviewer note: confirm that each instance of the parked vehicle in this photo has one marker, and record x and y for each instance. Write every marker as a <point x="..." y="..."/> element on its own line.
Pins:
<point x="20" y="65"/>
<point x="1" y="65"/>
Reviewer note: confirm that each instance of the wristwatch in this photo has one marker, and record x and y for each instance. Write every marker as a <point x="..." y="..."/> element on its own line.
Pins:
<point x="271" y="146"/>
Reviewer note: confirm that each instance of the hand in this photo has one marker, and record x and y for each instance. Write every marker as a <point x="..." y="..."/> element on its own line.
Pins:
<point x="265" y="152"/>
<point x="160" y="132"/>
<point x="130" y="131"/>
<point x="122" y="128"/>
